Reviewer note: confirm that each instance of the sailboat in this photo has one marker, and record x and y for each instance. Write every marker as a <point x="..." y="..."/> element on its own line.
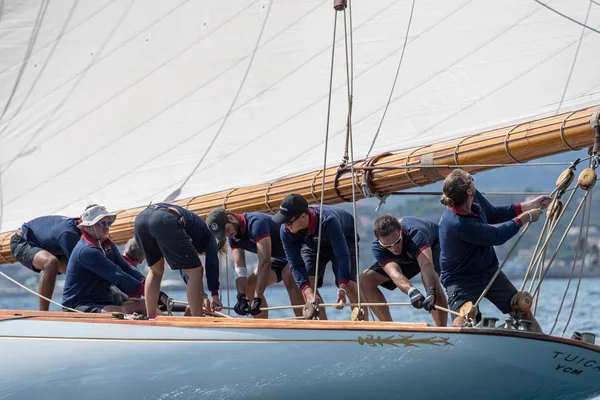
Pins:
<point x="238" y="103"/>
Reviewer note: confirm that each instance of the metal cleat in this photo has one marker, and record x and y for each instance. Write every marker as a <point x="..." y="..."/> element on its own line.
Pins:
<point x="489" y="322"/>
<point x="525" y="325"/>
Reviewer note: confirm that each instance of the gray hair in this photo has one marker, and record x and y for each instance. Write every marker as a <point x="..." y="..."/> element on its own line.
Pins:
<point x="133" y="250"/>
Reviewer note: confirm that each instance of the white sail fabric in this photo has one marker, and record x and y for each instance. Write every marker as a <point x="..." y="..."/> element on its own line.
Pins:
<point x="117" y="102"/>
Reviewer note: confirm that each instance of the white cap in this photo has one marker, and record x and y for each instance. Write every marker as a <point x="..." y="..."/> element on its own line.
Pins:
<point x="92" y="215"/>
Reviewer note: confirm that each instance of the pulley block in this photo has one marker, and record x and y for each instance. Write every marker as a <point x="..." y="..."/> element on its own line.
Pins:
<point x="521" y="302"/>
<point x="564" y="179"/>
<point x="554" y="209"/>
<point x="587" y="179"/>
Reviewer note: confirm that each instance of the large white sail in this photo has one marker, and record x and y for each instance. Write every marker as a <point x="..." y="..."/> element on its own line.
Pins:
<point x="124" y="102"/>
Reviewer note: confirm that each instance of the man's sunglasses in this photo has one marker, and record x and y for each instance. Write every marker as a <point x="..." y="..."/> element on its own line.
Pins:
<point x="387" y="246"/>
<point x="105" y="224"/>
<point x="291" y="221"/>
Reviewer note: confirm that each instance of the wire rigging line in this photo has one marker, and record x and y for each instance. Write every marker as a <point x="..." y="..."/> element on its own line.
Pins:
<point x="562" y="98"/>
<point x="177" y="191"/>
<point x="545" y="229"/>
<point x="562" y="239"/>
<point x="562" y="302"/>
<point x="587" y="228"/>
<point x="353" y="195"/>
<point x="39" y="295"/>
<point x="567" y="17"/>
<point x="349" y="79"/>
<point x="316" y="284"/>
<point x="514" y="246"/>
<point x="412" y="9"/>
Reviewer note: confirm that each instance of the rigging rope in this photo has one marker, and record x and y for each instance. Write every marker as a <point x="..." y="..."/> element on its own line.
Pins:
<point x="412" y="9"/>
<point x="227" y="277"/>
<point x="355" y="219"/>
<point x="453" y="166"/>
<point x="350" y="143"/>
<point x="325" y="161"/>
<point x="514" y="246"/>
<point x="561" y="242"/>
<point x="349" y="81"/>
<point x="291" y="307"/>
<point x="545" y="227"/>
<point x="484" y="193"/>
<point x="582" y="266"/>
<point x="540" y="256"/>
<point x="562" y="99"/>
<point x="39" y="295"/>
<point x="572" y="270"/>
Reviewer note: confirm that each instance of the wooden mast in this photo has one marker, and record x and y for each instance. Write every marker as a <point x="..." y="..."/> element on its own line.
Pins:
<point x="509" y="145"/>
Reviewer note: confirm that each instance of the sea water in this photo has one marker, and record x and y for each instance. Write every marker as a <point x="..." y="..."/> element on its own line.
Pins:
<point x="585" y="317"/>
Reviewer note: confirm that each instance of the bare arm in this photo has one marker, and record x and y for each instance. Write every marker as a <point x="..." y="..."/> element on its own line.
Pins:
<point x="263" y="248"/>
<point x="239" y="261"/>
<point x="395" y="273"/>
<point x="428" y="274"/>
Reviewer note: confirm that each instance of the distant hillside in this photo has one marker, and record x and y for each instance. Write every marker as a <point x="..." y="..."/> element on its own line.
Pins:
<point x="507" y="179"/>
<point x="515" y="179"/>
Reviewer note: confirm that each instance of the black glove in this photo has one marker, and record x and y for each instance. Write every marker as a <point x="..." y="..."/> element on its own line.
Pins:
<point x="255" y="306"/>
<point x="241" y="307"/>
<point x="429" y="302"/>
<point x="416" y="298"/>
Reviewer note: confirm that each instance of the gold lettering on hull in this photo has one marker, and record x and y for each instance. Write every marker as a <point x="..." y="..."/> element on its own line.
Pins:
<point x="405" y="341"/>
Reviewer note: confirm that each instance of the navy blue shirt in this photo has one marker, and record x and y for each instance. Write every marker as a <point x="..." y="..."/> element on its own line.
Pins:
<point x="204" y="242"/>
<point x="337" y="231"/>
<point x="467" y="240"/>
<point x="91" y="272"/>
<point x="418" y="235"/>
<point x="55" y="234"/>
<point x="255" y="226"/>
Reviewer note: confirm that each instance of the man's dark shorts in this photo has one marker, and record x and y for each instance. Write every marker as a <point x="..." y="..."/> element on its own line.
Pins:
<point x="409" y="270"/>
<point x="160" y="233"/>
<point x="500" y="293"/>
<point x="310" y="261"/>
<point x="24" y="252"/>
<point x="277" y="266"/>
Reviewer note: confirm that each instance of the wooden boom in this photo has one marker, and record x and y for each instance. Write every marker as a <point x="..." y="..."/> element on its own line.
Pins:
<point x="512" y="144"/>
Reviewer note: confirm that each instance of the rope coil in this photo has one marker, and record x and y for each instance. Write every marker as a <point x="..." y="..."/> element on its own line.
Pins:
<point x="368" y="188"/>
<point x="267" y="198"/>
<point x="506" y="145"/>
<point x="224" y="204"/>
<point x="562" y="132"/>
<point x="312" y="187"/>
<point x="407" y="162"/>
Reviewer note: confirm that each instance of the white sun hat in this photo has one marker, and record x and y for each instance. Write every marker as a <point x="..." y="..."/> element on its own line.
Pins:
<point x="92" y="215"/>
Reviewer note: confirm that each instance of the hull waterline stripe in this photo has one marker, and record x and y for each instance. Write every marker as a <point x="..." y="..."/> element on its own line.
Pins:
<point x="49" y="338"/>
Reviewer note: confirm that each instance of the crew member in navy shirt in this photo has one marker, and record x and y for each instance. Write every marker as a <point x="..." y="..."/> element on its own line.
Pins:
<point x="256" y="233"/>
<point x="43" y="245"/>
<point x="172" y="233"/>
<point x="403" y="248"/>
<point x="95" y="265"/>
<point x="467" y="239"/>
<point x="300" y="234"/>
